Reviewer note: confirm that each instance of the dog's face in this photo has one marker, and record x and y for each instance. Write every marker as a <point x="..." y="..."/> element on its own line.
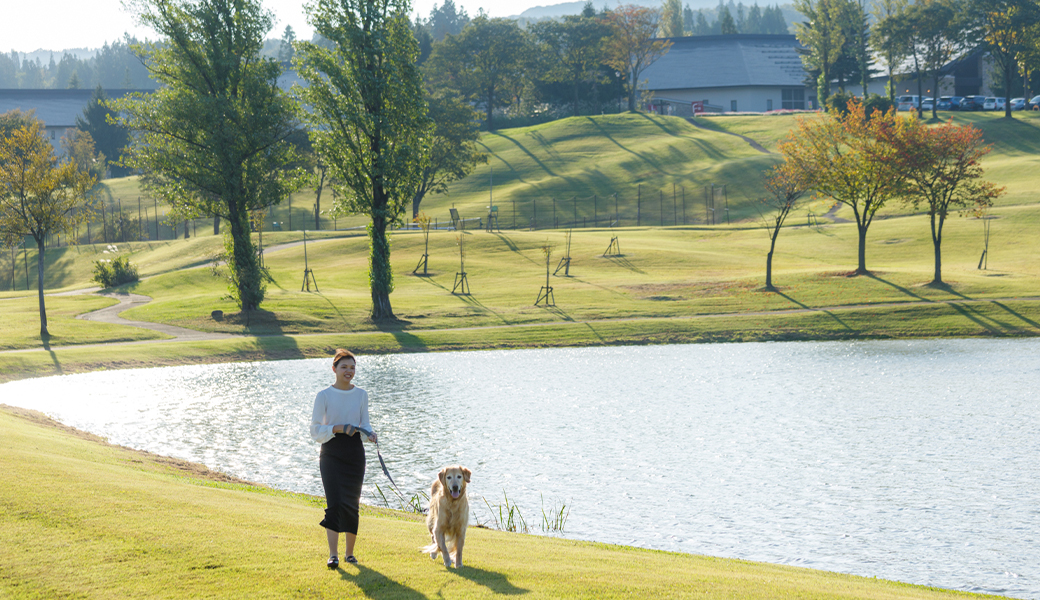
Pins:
<point x="454" y="480"/>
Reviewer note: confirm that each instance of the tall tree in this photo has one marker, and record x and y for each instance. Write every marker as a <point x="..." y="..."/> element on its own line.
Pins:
<point x="943" y="170"/>
<point x="939" y="35"/>
<point x="446" y="19"/>
<point x="845" y="157"/>
<point x="285" y="46"/>
<point x="671" y="19"/>
<point x="823" y="38"/>
<point x="485" y="63"/>
<point x="633" y="45"/>
<point x="111" y="138"/>
<point x="38" y="196"/>
<point x="886" y="38"/>
<point x="453" y="147"/>
<point x="1006" y="27"/>
<point x="727" y="26"/>
<point x="369" y="119"/>
<point x="571" y="50"/>
<point x="213" y="138"/>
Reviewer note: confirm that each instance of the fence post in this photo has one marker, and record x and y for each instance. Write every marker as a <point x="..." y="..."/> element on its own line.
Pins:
<point x="595" y="211"/>
<point x="575" y="201"/>
<point x="555" y="224"/>
<point x="684" y="205"/>
<point x="675" y="213"/>
<point x="660" y="205"/>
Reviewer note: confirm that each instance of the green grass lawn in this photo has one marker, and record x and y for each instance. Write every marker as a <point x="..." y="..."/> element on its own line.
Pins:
<point x="83" y="519"/>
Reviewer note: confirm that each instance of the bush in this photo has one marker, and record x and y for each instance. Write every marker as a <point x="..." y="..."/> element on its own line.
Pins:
<point x="115" y="272"/>
<point x="839" y="102"/>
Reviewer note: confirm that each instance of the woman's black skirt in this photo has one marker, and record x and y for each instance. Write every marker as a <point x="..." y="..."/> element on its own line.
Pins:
<point x="342" y="465"/>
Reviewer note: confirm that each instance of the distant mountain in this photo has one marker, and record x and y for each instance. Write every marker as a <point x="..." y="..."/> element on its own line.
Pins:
<point x="554" y="11"/>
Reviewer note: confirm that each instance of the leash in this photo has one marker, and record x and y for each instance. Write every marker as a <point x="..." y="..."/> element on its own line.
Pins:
<point x="380" y="455"/>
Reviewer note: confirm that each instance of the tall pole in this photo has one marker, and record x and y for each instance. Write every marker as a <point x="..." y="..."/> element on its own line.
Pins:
<point x="157" y="238"/>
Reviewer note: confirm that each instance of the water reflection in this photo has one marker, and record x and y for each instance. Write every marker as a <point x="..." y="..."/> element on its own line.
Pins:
<point x="913" y="461"/>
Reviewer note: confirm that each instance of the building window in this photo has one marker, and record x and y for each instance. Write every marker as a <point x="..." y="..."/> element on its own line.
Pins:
<point x="733" y="105"/>
<point x="793" y="99"/>
<point x="769" y="104"/>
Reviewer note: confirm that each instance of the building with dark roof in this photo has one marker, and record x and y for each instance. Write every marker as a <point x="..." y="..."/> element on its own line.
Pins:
<point x="57" y="109"/>
<point x="730" y="73"/>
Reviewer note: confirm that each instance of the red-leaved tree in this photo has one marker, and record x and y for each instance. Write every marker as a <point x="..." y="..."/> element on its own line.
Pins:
<point x="943" y="171"/>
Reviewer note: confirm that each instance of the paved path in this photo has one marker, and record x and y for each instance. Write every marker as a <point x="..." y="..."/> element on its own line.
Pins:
<point x="128" y="301"/>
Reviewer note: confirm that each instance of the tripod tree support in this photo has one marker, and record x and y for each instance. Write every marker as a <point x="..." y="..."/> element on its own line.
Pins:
<point x="461" y="282"/>
<point x="565" y="262"/>
<point x="308" y="274"/>
<point x="614" y="249"/>
<point x="423" y="220"/>
<point x="546" y="293"/>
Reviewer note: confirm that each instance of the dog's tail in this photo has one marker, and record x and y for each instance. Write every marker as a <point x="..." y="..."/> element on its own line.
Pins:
<point x="431" y="549"/>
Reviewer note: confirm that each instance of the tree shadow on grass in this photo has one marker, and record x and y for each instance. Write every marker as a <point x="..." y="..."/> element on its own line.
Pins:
<point x="374" y="584"/>
<point x="1020" y="316"/>
<point x="807" y="307"/>
<point x="902" y="289"/>
<point x="992" y="326"/>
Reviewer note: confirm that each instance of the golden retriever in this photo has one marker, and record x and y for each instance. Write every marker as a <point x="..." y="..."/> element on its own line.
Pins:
<point x="449" y="514"/>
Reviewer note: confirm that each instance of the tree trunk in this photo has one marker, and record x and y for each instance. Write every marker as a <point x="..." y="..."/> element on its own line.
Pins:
<point x="244" y="261"/>
<point x="380" y="265"/>
<point x="490" y="109"/>
<point x="632" y="93"/>
<point x="937" y="246"/>
<point x="769" y="270"/>
<point x="861" y="269"/>
<point x="40" y="260"/>
<point x="317" y="200"/>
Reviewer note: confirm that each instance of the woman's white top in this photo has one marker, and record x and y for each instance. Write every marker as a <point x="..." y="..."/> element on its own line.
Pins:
<point x="339" y="407"/>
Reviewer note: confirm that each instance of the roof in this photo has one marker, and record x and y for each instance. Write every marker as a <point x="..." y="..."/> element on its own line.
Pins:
<point x="56" y="108"/>
<point x="713" y="61"/>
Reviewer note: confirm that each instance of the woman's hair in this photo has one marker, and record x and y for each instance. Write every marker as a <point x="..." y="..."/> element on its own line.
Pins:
<point x="341" y="354"/>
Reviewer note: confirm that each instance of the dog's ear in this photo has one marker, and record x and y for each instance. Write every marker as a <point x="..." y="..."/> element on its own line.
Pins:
<point x="441" y="476"/>
<point x="466" y="474"/>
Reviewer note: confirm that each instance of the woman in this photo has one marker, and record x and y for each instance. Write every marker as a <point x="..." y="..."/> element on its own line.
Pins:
<point x="339" y="411"/>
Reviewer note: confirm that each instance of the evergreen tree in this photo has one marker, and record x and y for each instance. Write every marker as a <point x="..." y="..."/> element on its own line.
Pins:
<point x="109" y="138"/>
<point x="727" y="26"/>
<point x="285" y="47"/>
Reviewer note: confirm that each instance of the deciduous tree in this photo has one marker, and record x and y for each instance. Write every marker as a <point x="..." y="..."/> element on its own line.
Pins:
<point x="369" y="121"/>
<point x="823" y="38"/>
<point x="846" y="157"/>
<point x="1005" y="25"/>
<point x="39" y="196"/>
<point x="786" y="186"/>
<point x="886" y="38"/>
<point x="633" y="45"/>
<point x="939" y="36"/>
<point x="485" y="63"/>
<point x="453" y="147"/>
<point x="943" y="170"/>
<point x="213" y="138"/>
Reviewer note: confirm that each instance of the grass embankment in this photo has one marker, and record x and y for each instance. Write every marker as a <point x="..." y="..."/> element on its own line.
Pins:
<point x="669" y="285"/>
<point x="83" y="519"/>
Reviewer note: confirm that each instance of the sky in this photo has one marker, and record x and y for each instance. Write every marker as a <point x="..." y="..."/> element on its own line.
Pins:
<point x="29" y="25"/>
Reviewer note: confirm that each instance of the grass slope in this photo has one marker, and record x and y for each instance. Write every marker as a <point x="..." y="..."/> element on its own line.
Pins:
<point x="83" y="519"/>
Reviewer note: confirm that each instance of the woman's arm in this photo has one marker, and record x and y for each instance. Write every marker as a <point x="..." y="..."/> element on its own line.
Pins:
<point x="321" y="432"/>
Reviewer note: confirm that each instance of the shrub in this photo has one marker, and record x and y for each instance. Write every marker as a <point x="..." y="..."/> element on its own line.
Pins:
<point x="115" y="272"/>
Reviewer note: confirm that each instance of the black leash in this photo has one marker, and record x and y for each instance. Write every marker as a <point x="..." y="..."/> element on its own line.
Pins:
<point x="380" y="455"/>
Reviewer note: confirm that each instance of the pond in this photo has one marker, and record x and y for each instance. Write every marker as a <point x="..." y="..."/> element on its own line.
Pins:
<point x="907" y="460"/>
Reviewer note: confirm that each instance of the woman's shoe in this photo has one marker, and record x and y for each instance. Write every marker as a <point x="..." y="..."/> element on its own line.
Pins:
<point x="352" y="560"/>
<point x="334" y="562"/>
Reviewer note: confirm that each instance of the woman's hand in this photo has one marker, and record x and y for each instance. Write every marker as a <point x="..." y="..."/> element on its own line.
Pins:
<point x="374" y="438"/>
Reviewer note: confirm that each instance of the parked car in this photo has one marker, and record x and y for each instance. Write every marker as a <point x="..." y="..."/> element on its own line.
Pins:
<point x="1018" y="103"/>
<point x="1001" y="102"/>
<point x="972" y="103"/>
<point x="926" y="104"/>
<point x="1033" y="104"/>
<point x="990" y="103"/>
<point x="908" y="102"/>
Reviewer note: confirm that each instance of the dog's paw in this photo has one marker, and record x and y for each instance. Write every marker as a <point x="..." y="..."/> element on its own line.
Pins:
<point x="447" y="562"/>
<point x="433" y="555"/>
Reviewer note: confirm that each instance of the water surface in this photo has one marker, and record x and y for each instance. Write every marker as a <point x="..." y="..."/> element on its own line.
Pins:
<point x="914" y="461"/>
